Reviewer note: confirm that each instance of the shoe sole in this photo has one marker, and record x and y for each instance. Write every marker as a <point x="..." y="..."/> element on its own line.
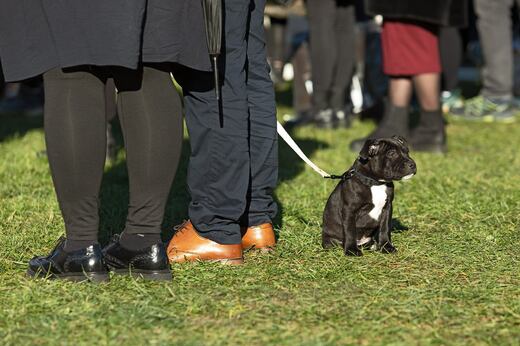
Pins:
<point x="226" y="261"/>
<point x="481" y="119"/>
<point x="265" y="249"/>
<point x="91" y="277"/>
<point x="488" y="119"/>
<point x="233" y="261"/>
<point x="153" y="275"/>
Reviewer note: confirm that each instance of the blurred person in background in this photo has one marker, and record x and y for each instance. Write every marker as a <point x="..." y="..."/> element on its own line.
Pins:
<point x="276" y="23"/>
<point x="295" y="59"/>
<point x="495" y="101"/>
<point x="298" y="54"/>
<point x="451" y="50"/>
<point x="411" y="59"/>
<point x="332" y="48"/>
<point x="25" y="98"/>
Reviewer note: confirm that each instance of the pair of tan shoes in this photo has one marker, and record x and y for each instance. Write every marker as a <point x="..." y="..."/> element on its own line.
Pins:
<point x="187" y="245"/>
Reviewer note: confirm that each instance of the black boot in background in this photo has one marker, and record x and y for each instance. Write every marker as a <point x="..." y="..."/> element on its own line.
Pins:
<point x="430" y="134"/>
<point x="343" y="117"/>
<point x="393" y="123"/>
<point x="324" y="119"/>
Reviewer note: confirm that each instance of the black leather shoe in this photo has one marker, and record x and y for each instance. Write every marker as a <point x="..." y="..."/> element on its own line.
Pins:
<point x="80" y="265"/>
<point x="149" y="263"/>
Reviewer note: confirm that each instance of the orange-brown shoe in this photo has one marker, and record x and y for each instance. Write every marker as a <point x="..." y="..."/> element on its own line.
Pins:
<point x="259" y="237"/>
<point x="187" y="245"/>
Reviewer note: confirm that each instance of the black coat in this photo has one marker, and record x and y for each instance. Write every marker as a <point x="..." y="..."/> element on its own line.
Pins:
<point x="38" y="35"/>
<point x="438" y="12"/>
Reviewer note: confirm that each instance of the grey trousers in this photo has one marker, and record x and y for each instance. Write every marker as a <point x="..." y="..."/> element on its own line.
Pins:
<point x="233" y="166"/>
<point x="494" y="25"/>
<point x="331" y="24"/>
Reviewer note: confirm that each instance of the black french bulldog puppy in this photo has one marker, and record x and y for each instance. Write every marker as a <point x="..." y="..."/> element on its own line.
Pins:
<point x="359" y="210"/>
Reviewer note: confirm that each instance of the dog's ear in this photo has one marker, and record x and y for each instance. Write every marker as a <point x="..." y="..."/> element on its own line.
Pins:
<point x="400" y="140"/>
<point x="370" y="149"/>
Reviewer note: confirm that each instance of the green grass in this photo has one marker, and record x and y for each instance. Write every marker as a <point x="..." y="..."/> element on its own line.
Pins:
<point x="455" y="279"/>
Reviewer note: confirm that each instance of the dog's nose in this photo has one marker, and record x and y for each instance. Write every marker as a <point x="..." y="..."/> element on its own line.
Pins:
<point x="411" y="165"/>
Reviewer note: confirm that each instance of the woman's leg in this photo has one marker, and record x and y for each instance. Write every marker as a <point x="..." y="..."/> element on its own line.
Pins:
<point x="150" y="112"/>
<point x="75" y="134"/>
<point x="395" y="117"/>
<point x="400" y="91"/>
<point x="427" y="89"/>
<point x="430" y="134"/>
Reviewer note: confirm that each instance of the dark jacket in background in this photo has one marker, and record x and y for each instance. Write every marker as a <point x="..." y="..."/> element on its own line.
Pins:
<point x="438" y="12"/>
<point x="36" y="36"/>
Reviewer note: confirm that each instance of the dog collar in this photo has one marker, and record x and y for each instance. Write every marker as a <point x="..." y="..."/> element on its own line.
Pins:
<point x="360" y="176"/>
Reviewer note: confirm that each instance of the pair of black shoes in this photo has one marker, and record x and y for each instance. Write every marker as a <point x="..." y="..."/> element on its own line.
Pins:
<point x="332" y="119"/>
<point x="328" y="119"/>
<point x="93" y="263"/>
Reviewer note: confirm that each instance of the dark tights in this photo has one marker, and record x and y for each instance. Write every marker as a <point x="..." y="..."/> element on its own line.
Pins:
<point x="332" y="51"/>
<point x="450" y="43"/>
<point x="149" y="109"/>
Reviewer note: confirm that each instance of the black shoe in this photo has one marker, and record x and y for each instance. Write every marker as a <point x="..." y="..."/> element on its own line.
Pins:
<point x="149" y="263"/>
<point x="393" y="123"/>
<point x="342" y="118"/>
<point x="324" y="119"/>
<point x="430" y="134"/>
<point x="301" y="119"/>
<point x="80" y="265"/>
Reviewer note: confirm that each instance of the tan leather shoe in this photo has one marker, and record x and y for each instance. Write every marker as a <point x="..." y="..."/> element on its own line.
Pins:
<point x="187" y="245"/>
<point x="259" y="237"/>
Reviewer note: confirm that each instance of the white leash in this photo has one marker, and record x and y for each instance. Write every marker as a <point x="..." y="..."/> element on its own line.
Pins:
<point x="287" y="138"/>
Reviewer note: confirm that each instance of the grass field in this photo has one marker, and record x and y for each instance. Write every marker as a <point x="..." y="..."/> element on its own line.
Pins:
<point x="454" y="281"/>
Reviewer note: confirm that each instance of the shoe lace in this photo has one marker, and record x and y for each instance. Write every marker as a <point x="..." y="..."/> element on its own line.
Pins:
<point x="61" y="240"/>
<point x="180" y="227"/>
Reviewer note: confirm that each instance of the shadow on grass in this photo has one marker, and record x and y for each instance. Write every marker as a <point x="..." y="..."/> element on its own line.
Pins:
<point x="398" y="226"/>
<point x="17" y="125"/>
<point x="284" y="95"/>
<point x="115" y="194"/>
<point x="114" y="191"/>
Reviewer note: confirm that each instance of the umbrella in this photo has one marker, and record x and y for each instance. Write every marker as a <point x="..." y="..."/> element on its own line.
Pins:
<point x="213" y="21"/>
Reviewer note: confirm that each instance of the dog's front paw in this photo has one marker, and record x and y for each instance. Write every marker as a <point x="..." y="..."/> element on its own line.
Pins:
<point x="328" y="242"/>
<point x="353" y="251"/>
<point x="387" y="248"/>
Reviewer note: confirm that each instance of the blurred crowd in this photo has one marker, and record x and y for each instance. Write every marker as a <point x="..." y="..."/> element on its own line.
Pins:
<point x="389" y="59"/>
<point x="341" y="59"/>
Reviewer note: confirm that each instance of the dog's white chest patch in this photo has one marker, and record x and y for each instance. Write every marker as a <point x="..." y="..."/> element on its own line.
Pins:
<point x="378" y="200"/>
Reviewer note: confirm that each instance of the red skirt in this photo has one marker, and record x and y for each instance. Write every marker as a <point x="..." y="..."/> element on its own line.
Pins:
<point x="409" y="48"/>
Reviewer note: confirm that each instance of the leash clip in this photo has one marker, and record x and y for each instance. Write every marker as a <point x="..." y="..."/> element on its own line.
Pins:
<point x="347" y="175"/>
<point x="333" y="176"/>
